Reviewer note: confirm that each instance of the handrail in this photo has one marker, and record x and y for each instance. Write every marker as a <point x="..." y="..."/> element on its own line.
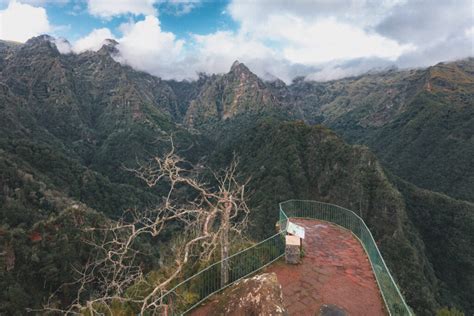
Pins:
<point x="194" y="290"/>
<point x="346" y="218"/>
<point x="198" y="287"/>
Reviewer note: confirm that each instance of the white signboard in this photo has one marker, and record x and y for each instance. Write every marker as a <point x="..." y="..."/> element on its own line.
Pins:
<point x="295" y="230"/>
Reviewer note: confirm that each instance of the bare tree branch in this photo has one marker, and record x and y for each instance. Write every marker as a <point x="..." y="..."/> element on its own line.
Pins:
<point x="207" y="219"/>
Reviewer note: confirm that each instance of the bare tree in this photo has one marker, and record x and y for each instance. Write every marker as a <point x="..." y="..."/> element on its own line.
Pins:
<point x="209" y="217"/>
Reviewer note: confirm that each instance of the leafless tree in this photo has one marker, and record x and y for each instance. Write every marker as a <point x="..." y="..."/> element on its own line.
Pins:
<point x="212" y="214"/>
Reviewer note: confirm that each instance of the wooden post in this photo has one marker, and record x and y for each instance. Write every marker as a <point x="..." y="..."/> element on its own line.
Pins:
<point x="292" y="249"/>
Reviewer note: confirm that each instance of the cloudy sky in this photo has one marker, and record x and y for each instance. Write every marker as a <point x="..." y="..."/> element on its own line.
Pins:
<point x="321" y="39"/>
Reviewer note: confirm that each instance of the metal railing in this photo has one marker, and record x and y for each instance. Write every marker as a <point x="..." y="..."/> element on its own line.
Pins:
<point x="194" y="290"/>
<point x="345" y="218"/>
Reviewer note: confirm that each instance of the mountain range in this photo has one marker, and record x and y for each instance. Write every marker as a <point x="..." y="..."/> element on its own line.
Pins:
<point x="395" y="146"/>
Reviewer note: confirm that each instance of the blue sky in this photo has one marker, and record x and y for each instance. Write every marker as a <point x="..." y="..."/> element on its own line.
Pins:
<point x="75" y="21"/>
<point x="323" y="40"/>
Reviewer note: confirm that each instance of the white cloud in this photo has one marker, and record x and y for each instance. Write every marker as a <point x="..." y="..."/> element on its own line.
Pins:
<point x="179" y="7"/>
<point x="469" y="32"/>
<point x="93" y="41"/>
<point x="453" y="48"/>
<point x="110" y="8"/>
<point x="145" y="46"/>
<point x="319" y="38"/>
<point x="63" y="46"/>
<point x="285" y="45"/>
<point x="19" y="22"/>
<point x="312" y="43"/>
<point x="319" y="31"/>
<point x="425" y="22"/>
<point x="217" y="51"/>
<point x="37" y="3"/>
<point x="337" y="70"/>
<point x="327" y="34"/>
<point x="362" y="13"/>
<point x="329" y="73"/>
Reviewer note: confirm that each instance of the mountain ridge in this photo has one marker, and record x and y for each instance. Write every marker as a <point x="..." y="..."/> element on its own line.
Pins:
<point x="225" y="96"/>
<point x="71" y="122"/>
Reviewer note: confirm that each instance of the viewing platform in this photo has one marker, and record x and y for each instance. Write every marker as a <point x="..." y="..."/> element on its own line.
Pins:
<point x="342" y="269"/>
<point x="334" y="271"/>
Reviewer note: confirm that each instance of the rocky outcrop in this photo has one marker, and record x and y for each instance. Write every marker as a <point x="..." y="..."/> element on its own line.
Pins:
<point x="331" y="310"/>
<point x="259" y="295"/>
<point x="224" y="96"/>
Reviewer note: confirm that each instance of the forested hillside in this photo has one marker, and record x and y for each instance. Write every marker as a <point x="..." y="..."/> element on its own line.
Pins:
<point x="445" y="225"/>
<point x="296" y="161"/>
<point x="72" y="124"/>
<point x="418" y="122"/>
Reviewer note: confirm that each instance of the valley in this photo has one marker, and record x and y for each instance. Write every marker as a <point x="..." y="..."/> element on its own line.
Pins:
<point x="395" y="145"/>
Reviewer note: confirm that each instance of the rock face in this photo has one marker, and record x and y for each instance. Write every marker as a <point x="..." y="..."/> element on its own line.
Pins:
<point x="225" y="96"/>
<point x="259" y="295"/>
<point x="85" y="103"/>
<point x="331" y="310"/>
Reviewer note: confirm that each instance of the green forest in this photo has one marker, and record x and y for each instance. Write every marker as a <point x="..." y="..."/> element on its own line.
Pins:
<point x="73" y="126"/>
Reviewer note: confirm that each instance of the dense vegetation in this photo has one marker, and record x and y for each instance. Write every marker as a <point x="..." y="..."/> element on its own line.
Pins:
<point x="418" y="122"/>
<point x="294" y="160"/>
<point x="70" y="123"/>
<point x="67" y="133"/>
<point x="445" y="225"/>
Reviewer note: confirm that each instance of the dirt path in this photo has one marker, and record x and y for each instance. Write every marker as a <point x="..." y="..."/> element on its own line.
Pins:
<point x="334" y="271"/>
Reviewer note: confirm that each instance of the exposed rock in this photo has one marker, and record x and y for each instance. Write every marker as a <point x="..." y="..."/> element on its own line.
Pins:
<point x="331" y="310"/>
<point x="225" y="96"/>
<point x="259" y="295"/>
<point x="109" y="47"/>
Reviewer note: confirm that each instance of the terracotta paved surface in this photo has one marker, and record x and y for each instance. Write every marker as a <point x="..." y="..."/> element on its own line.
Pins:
<point x="335" y="270"/>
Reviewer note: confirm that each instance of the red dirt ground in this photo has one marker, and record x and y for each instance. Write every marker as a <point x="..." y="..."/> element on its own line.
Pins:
<point x="335" y="270"/>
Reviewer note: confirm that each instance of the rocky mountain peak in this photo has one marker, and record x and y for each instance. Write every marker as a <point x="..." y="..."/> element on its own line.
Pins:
<point x="42" y="44"/>
<point x="109" y="47"/>
<point x="238" y="67"/>
<point x="44" y="38"/>
<point x="277" y="83"/>
<point x="235" y="64"/>
<point x="110" y="42"/>
<point x="222" y="97"/>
